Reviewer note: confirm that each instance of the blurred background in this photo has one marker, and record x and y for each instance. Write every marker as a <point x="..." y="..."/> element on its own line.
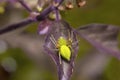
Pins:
<point x="22" y="56"/>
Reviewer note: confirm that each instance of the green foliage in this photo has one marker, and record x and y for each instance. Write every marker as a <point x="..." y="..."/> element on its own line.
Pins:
<point x="106" y="11"/>
<point x="112" y="71"/>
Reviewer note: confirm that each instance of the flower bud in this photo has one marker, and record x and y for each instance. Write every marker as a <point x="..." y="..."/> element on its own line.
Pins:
<point x="44" y="27"/>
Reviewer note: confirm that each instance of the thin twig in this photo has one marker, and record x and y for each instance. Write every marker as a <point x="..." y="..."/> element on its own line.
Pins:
<point x="25" y="5"/>
<point x="16" y="25"/>
<point x="23" y="23"/>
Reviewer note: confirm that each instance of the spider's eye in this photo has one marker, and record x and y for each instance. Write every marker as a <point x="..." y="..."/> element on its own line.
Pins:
<point x="65" y="52"/>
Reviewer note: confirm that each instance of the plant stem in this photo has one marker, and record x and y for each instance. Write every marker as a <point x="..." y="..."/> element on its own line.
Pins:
<point x="25" y="5"/>
<point x="16" y="25"/>
<point x="23" y="23"/>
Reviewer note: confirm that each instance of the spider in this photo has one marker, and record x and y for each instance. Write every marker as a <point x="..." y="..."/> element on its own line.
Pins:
<point x="64" y="43"/>
<point x="62" y="46"/>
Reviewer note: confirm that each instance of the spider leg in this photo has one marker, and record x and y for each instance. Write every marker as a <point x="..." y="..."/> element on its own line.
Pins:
<point x="75" y="42"/>
<point x="70" y="36"/>
<point x="71" y="41"/>
<point x="55" y="43"/>
<point x="59" y="58"/>
<point x="53" y="40"/>
<point x="55" y="49"/>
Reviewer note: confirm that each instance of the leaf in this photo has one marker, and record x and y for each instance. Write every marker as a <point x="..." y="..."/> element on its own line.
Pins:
<point x="58" y="29"/>
<point x="101" y="36"/>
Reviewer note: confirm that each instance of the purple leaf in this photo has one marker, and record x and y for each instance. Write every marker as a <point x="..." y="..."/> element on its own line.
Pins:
<point x="58" y="29"/>
<point x="101" y="36"/>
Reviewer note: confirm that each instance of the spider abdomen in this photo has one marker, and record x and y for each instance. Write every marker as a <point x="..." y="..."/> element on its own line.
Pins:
<point x="65" y="52"/>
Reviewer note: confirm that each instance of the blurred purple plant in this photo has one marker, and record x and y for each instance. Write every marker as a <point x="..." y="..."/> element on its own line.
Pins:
<point x="95" y="34"/>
